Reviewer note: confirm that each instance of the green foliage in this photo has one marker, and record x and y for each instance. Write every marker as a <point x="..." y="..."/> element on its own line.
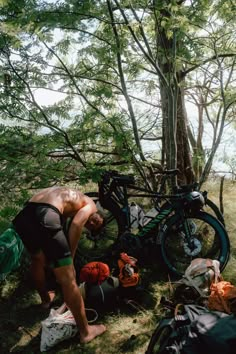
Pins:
<point x="8" y="212"/>
<point x="109" y="88"/>
<point x="91" y="173"/>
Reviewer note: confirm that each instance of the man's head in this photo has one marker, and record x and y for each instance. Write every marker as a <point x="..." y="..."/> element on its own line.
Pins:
<point x="95" y="222"/>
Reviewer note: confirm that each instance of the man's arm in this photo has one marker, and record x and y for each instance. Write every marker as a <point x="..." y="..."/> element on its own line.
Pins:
<point x="78" y="223"/>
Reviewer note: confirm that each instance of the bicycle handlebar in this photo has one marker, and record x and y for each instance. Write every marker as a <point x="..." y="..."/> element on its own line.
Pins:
<point x="184" y="188"/>
<point x="118" y="178"/>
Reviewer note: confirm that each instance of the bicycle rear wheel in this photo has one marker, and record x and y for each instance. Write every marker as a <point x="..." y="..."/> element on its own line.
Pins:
<point x="98" y="246"/>
<point x="209" y="239"/>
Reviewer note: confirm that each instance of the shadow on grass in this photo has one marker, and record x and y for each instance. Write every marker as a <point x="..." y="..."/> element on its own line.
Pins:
<point x="20" y="327"/>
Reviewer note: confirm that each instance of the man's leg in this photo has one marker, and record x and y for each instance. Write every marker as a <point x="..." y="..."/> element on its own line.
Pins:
<point x="37" y="270"/>
<point x="73" y="299"/>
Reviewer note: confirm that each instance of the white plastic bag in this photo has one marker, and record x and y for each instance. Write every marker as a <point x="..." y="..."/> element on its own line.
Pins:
<point x="58" y="326"/>
<point x="150" y="215"/>
<point x="136" y="215"/>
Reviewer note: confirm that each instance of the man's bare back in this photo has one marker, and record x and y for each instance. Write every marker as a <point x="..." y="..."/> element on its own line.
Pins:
<point x="68" y="201"/>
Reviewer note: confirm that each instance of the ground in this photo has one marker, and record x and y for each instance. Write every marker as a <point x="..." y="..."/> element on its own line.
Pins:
<point x="128" y="328"/>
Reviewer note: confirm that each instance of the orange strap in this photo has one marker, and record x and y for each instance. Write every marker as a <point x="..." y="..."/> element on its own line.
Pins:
<point x="128" y="271"/>
<point x="129" y="281"/>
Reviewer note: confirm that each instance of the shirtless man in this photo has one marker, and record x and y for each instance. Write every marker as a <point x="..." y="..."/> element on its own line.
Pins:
<point x="40" y="226"/>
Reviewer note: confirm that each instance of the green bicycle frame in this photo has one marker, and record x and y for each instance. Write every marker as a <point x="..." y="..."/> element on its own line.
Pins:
<point x="156" y="220"/>
<point x="163" y="214"/>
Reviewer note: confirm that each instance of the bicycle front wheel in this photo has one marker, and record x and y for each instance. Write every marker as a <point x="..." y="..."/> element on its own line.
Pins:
<point x="212" y="208"/>
<point x="209" y="239"/>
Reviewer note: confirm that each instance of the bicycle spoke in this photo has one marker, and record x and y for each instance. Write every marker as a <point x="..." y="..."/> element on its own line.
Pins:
<point x="96" y="247"/>
<point x="208" y="240"/>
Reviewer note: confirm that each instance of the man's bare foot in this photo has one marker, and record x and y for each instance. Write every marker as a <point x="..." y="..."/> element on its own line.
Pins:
<point x="48" y="300"/>
<point x="93" y="332"/>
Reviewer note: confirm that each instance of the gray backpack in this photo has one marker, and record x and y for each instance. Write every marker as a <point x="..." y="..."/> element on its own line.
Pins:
<point x="196" y="330"/>
<point x="194" y="286"/>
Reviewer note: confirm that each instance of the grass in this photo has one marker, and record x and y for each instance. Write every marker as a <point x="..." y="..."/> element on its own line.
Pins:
<point x="128" y="328"/>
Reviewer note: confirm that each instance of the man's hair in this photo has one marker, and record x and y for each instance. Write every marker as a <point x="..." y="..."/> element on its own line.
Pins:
<point x="102" y="215"/>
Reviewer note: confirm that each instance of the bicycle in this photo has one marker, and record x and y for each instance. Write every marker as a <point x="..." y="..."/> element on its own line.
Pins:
<point x="210" y="206"/>
<point x="183" y="230"/>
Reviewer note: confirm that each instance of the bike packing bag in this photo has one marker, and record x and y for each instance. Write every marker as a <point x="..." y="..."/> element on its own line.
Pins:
<point x="11" y="249"/>
<point x="94" y="273"/>
<point x="197" y="330"/>
<point x="196" y="282"/>
<point x="101" y="297"/>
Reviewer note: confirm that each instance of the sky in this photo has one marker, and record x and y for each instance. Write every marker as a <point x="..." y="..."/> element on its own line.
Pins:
<point x="227" y="146"/>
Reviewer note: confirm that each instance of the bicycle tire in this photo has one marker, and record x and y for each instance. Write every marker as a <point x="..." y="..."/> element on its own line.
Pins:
<point x="99" y="247"/>
<point x="210" y="208"/>
<point x="159" y="337"/>
<point x="216" y="211"/>
<point x="209" y="237"/>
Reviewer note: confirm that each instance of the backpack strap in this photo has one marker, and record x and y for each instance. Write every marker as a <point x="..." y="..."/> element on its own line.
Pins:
<point x="180" y="319"/>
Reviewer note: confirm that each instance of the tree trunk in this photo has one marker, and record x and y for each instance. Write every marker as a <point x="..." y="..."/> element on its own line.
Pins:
<point x="173" y="107"/>
<point x="184" y="161"/>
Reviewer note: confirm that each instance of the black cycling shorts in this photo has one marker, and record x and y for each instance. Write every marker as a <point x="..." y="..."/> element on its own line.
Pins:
<point x="40" y="226"/>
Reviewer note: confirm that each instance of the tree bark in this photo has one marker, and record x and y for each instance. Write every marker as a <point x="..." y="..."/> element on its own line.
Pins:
<point x="173" y="107"/>
<point x="184" y="160"/>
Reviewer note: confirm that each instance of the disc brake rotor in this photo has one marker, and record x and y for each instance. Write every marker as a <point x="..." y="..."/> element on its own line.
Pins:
<point x="194" y="249"/>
